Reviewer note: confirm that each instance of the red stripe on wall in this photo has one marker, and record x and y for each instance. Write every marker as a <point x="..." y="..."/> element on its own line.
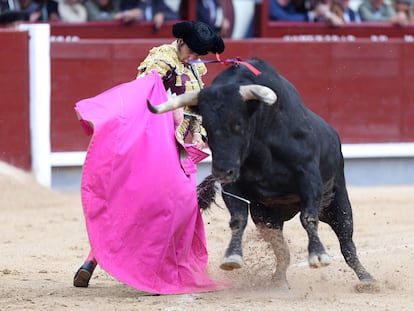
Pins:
<point x="14" y="99"/>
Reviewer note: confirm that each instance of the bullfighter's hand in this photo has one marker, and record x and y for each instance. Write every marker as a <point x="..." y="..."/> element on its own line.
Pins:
<point x="198" y="141"/>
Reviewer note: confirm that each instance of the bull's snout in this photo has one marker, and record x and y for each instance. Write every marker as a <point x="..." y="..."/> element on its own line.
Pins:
<point x="225" y="175"/>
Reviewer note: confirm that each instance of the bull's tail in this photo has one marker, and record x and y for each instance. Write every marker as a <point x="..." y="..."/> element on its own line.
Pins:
<point x="206" y="193"/>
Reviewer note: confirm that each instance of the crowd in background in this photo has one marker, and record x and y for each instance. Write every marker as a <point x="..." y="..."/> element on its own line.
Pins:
<point x="339" y="12"/>
<point x="219" y="14"/>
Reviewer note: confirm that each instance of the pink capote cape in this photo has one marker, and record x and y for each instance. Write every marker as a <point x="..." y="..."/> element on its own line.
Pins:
<point x="141" y="211"/>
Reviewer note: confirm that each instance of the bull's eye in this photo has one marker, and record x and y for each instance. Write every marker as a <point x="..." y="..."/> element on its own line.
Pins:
<point x="237" y="128"/>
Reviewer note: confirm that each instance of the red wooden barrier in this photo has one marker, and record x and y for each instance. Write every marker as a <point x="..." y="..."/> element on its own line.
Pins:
<point x="266" y="28"/>
<point x="14" y="99"/>
<point x="362" y="88"/>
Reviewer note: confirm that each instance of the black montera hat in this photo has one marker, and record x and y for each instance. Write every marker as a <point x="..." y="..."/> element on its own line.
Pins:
<point x="199" y="37"/>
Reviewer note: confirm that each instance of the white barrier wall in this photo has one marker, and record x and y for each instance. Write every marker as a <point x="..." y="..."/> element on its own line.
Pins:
<point x="39" y="77"/>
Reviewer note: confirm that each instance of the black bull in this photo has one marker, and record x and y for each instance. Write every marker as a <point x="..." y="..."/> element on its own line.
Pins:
<point x="272" y="151"/>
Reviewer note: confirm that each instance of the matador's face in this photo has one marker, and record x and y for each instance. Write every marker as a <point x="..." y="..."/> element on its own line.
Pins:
<point x="185" y="54"/>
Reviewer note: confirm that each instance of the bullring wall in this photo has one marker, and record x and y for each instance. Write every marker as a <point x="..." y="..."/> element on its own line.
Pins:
<point x="360" y="84"/>
<point x="363" y="88"/>
<point x="14" y="99"/>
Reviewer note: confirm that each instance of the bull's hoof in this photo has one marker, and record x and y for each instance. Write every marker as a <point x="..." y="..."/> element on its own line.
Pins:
<point x="364" y="276"/>
<point x="282" y="285"/>
<point x="371" y="286"/>
<point x="319" y="260"/>
<point x="280" y="282"/>
<point x="231" y="262"/>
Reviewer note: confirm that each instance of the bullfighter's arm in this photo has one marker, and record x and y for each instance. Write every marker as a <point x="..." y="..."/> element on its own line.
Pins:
<point x="196" y="128"/>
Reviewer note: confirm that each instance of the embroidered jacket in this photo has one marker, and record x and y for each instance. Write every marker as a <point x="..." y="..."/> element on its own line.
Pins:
<point x="178" y="78"/>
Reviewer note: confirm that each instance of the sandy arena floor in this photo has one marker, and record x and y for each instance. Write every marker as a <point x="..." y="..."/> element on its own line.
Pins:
<point x="43" y="240"/>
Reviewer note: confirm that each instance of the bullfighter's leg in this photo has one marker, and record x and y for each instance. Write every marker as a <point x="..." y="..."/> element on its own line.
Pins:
<point x="270" y="227"/>
<point x="311" y="198"/>
<point x="339" y="217"/>
<point x="238" y="209"/>
<point x="84" y="273"/>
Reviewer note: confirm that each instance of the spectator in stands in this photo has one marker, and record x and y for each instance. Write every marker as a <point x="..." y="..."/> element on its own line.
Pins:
<point x="140" y="10"/>
<point x="321" y="11"/>
<point x="289" y="10"/>
<point x="72" y="11"/>
<point x="13" y="18"/>
<point x="48" y="11"/>
<point x="286" y="10"/>
<point x="215" y="13"/>
<point x="40" y="10"/>
<point x="376" y="11"/>
<point x="36" y="10"/>
<point x="9" y="5"/>
<point x="342" y="9"/>
<point x="102" y="10"/>
<point x="29" y="7"/>
<point x="403" y="11"/>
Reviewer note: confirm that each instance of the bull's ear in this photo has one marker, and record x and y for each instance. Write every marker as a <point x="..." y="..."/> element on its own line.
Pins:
<point x="258" y="92"/>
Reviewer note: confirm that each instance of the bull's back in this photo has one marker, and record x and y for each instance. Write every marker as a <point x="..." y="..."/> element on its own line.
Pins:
<point x="245" y="74"/>
<point x="306" y="133"/>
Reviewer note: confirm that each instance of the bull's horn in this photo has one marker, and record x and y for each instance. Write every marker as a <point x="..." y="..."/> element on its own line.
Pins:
<point x="186" y="99"/>
<point x="259" y="92"/>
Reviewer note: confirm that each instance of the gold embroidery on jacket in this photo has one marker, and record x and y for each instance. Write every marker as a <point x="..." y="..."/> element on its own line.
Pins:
<point x="163" y="59"/>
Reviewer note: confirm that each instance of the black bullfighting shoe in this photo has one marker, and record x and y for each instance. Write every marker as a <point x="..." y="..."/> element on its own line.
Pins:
<point x="84" y="274"/>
